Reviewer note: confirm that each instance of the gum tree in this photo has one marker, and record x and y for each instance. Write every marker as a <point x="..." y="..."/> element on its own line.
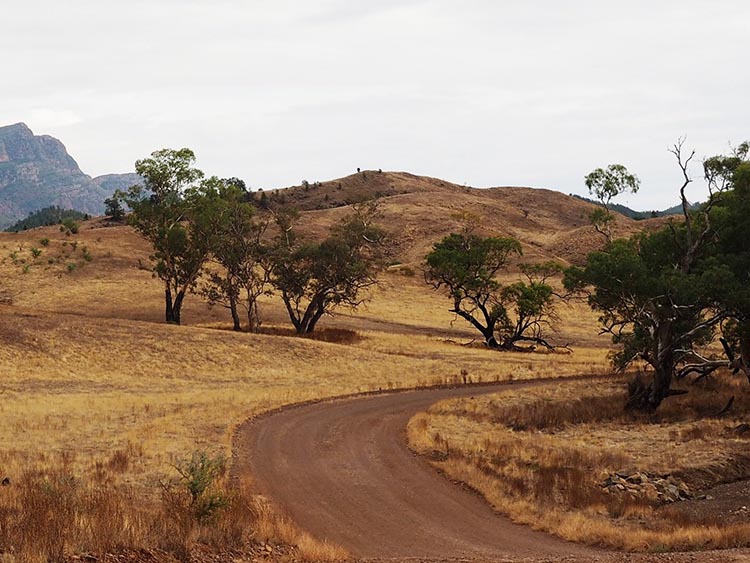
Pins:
<point x="314" y="278"/>
<point x="163" y="211"/>
<point x="657" y="293"/>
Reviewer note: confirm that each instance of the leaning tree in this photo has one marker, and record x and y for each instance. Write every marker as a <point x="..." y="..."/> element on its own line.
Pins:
<point x="466" y="266"/>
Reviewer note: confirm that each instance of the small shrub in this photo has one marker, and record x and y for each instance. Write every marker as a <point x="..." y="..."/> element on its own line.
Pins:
<point x="86" y="254"/>
<point x="36" y="252"/>
<point x="44" y="241"/>
<point x="199" y="477"/>
<point x="69" y="226"/>
<point x="71" y="266"/>
<point x="26" y="268"/>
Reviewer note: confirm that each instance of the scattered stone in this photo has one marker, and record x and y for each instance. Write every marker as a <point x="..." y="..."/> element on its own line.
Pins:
<point x="641" y="485"/>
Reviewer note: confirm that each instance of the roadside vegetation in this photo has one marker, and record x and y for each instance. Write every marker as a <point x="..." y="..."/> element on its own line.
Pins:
<point x="569" y="460"/>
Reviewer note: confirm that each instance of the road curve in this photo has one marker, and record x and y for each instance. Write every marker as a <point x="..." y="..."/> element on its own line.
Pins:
<point x="342" y="471"/>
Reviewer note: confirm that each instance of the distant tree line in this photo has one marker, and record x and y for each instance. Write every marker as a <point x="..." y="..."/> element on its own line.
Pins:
<point x="46" y="217"/>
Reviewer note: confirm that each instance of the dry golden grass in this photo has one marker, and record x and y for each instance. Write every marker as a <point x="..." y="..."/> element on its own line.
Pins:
<point x="540" y="455"/>
<point x="94" y="382"/>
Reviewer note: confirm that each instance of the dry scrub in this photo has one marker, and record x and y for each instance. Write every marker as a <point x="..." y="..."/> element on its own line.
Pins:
<point x="92" y="376"/>
<point x="541" y="455"/>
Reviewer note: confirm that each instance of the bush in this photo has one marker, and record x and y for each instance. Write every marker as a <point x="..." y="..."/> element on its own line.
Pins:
<point x="36" y="252"/>
<point x="69" y="226"/>
<point x="199" y="477"/>
<point x="44" y="241"/>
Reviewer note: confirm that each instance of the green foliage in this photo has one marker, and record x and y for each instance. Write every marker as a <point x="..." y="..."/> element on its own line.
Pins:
<point x="605" y="185"/>
<point x="662" y="295"/>
<point x="44" y="241"/>
<point x="198" y="477"/>
<point x="466" y="266"/>
<point x="69" y="226"/>
<point x="239" y="250"/>
<point x="71" y="267"/>
<point x="166" y="211"/>
<point x="315" y="278"/>
<point x="46" y="217"/>
<point x="36" y="252"/>
<point x="113" y="206"/>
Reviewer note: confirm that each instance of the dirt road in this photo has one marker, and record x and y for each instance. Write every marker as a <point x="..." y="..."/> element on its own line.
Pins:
<point x="342" y="471"/>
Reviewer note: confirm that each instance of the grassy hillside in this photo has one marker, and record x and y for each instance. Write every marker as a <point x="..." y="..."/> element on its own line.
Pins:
<point x="93" y="379"/>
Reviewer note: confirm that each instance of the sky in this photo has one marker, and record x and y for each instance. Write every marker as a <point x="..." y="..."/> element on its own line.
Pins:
<point x="477" y="92"/>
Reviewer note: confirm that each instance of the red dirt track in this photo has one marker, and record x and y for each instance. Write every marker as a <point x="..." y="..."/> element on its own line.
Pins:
<point x="342" y="471"/>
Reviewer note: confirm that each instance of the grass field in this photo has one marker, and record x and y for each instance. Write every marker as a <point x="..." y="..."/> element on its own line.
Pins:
<point x="93" y="379"/>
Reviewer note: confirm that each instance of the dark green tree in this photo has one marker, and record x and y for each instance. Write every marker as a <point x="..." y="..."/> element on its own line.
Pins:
<point x="466" y="265"/>
<point x="113" y="207"/>
<point x="656" y="295"/>
<point x="728" y="178"/>
<point x="243" y="258"/>
<point x="165" y="211"/>
<point x="316" y="277"/>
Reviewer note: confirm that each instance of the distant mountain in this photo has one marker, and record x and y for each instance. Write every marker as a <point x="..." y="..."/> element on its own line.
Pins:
<point x="36" y="171"/>
<point x="638" y="215"/>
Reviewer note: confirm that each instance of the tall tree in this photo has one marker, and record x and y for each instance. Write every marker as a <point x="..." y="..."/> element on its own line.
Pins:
<point x="605" y="185"/>
<point x="654" y="293"/>
<point x="729" y="179"/>
<point x="163" y="211"/>
<point x="239" y="251"/>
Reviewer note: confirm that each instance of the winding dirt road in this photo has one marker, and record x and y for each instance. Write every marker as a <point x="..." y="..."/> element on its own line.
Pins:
<point x="342" y="471"/>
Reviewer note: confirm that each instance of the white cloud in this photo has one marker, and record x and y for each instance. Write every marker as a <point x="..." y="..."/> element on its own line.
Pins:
<point x="487" y="92"/>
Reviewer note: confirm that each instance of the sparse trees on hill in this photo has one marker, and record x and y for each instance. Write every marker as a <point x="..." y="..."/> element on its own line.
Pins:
<point x="466" y="265"/>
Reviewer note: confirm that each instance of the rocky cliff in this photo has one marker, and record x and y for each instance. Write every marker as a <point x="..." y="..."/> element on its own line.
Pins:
<point x="36" y="171"/>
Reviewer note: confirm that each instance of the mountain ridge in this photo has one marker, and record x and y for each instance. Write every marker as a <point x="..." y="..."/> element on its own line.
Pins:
<point x="36" y="171"/>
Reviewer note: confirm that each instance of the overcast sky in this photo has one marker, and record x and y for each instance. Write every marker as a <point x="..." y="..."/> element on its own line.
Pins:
<point x="481" y="92"/>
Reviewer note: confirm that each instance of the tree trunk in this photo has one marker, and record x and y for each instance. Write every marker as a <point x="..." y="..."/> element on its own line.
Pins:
<point x="177" y="306"/>
<point x="169" y="311"/>
<point x="235" y="315"/>
<point x="292" y="313"/>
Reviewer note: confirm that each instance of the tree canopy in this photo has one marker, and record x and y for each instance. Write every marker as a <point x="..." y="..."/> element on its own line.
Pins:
<point x="466" y="266"/>
<point x="663" y="295"/>
<point x="166" y="211"/>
